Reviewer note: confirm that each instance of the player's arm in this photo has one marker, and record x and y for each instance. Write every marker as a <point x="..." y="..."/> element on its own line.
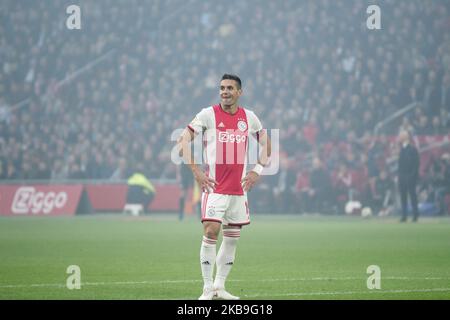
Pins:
<point x="266" y="148"/>
<point x="184" y="147"/>
<point x="252" y="176"/>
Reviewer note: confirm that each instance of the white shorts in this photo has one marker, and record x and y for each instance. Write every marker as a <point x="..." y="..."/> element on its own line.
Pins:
<point x="230" y="210"/>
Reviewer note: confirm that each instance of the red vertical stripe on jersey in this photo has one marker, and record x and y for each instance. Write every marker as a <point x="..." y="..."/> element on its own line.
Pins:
<point x="205" y="145"/>
<point x="229" y="175"/>
<point x="205" y="201"/>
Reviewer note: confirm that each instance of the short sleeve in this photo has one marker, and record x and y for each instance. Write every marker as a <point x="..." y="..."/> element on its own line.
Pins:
<point x="200" y="122"/>
<point x="254" y="124"/>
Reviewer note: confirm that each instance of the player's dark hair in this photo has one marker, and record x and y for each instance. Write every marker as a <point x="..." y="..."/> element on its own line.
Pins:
<point x="234" y="77"/>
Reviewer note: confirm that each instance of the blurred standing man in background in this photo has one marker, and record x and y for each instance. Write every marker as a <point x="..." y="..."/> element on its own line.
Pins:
<point x="187" y="184"/>
<point x="408" y="174"/>
<point x="226" y="129"/>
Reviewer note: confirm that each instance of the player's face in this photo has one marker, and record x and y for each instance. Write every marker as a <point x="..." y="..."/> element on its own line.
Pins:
<point x="229" y="92"/>
<point x="403" y="137"/>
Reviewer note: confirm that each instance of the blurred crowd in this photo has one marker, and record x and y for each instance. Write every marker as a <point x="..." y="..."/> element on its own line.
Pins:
<point x="93" y="103"/>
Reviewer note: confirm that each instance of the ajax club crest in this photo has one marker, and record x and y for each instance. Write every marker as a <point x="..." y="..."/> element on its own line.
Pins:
<point x="242" y="125"/>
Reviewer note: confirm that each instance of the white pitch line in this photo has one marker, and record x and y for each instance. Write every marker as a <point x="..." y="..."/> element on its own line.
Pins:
<point x="112" y="283"/>
<point x="97" y="283"/>
<point x="299" y="294"/>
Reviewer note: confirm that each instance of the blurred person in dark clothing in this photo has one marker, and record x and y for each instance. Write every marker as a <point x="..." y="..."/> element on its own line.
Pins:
<point x="262" y="199"/>
<point x="302" y="189"/>
<point x="342" y="183"/>
<point x="97" y="167"/>
<point x="121" y="172"/>
<point x="446" y="186"/>
<point x="26" y="171"/>
<point x="408" y="174"/>
<point x="441" y="182"/>
<point x="75" y="172"/>
<point x="3" y="168"/>
<point x="445" y="91"/>
<point x="372" y="159"/>
<point x="382" y="193"/>
<point x="432" y="93"/>
<point x="284" y="191"/>
<point x="319" y="188"/>
<point x="11" y="172"/>
<point x="59" y="171"/>
<point x="186" y="179"/>
<point x="436" y="126"/>
<point x="43" y="171"/>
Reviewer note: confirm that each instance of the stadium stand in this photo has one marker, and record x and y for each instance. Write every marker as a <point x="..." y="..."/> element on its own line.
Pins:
<point x="93" y="103"/>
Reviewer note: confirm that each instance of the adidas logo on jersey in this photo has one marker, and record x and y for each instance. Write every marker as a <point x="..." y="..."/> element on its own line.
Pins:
<point x="221" y="125"/>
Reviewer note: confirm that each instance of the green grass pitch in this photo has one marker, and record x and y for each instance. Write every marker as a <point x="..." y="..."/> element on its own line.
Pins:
<point x="278" y="257"/>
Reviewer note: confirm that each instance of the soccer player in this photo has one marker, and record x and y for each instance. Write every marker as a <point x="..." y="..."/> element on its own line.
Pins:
<point x="408" y="174"/>
<point x="225" y="128"/>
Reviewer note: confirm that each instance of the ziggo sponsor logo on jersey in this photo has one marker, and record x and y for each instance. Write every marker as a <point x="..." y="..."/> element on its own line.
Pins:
<point x="231" y="136"/>
<point x="26" y="200"/>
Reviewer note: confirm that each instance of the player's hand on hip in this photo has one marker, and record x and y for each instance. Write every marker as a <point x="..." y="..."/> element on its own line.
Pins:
<point x="249" y="181"/>
<point x="205" y="183"/>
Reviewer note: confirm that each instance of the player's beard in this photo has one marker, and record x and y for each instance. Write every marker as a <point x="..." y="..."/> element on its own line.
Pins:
<point x="228" y="102"/>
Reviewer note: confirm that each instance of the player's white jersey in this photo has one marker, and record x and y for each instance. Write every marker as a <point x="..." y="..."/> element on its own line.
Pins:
<point x="226" y="144"/>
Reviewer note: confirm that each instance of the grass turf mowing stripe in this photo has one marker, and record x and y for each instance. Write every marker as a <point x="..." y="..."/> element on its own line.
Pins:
<point x="299" y="294"/>
<point x="283" y="255"/>
<point x="200" y="281"/>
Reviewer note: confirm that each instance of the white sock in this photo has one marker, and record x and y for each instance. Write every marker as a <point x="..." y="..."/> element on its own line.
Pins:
<point x="225" y="256"/>
<point x="207" y="260"/>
